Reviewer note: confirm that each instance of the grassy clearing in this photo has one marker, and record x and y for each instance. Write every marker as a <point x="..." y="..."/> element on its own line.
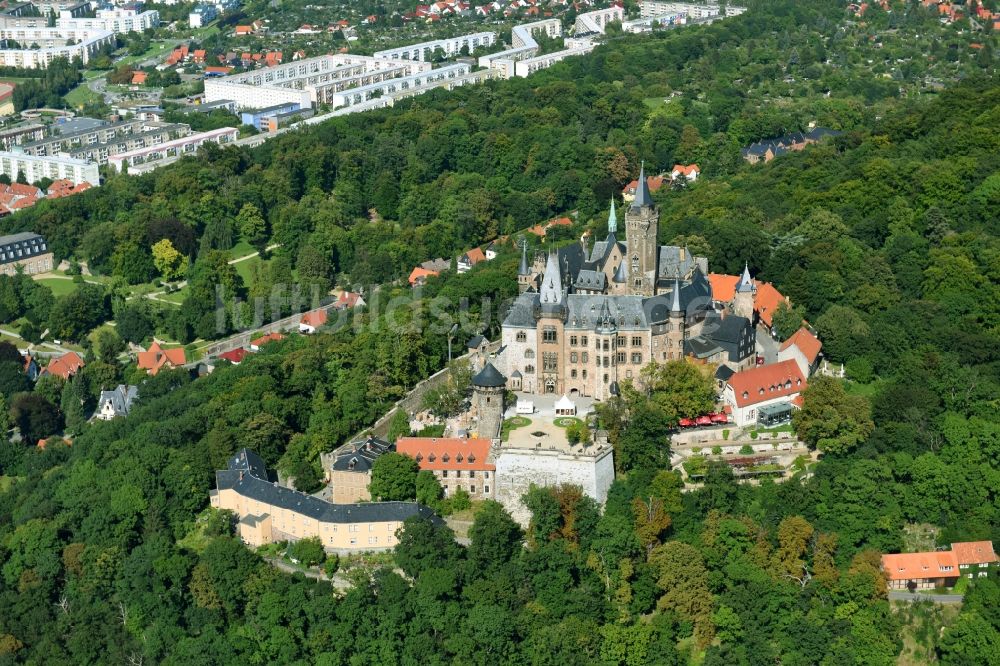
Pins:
<point x="865" y="390"/>
<point x="82" y="95"/>
<point x="6" y="482"/>
<point x="241" y="249"/>
<point x="566" y="421"/>
<point x="245" y="268"/>
<point x="59" y="286"/>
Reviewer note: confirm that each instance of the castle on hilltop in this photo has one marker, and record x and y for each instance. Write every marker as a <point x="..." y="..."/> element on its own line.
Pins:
<point x="588" y="318"/>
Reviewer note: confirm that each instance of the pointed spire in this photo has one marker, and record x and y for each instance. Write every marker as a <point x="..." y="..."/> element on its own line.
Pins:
<point x="675" y="301"/>
<point x="642" y="196"/>
<point x="621" y="275"/>
<point x="607" y="322"/>
<point x="552" y="281"/>
<point x="523" y="270"/>
<point x="746" y="283"/>
<point x="612" y="218"/>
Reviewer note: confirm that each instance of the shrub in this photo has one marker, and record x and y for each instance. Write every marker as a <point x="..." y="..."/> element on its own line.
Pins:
<point x="725" y="434"/>
<point x="746" y="449"/>
<point x="716" y="450"/>
<point x="753" y="434"/>
<point x="332" y="565"/>
<point x="307" y="552"/>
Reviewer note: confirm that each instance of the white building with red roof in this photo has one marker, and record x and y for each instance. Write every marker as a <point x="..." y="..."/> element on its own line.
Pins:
<point x="804" y="348"/>
<point x="763" y="393"/>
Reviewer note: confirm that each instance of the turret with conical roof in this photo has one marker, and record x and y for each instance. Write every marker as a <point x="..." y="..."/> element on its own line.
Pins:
<point x="612" y="219"/>
<point x="746" y="291"/>
<point x="489" y="377"/>
<point x="675" y="298"/>
<point x="488" y="387"/>
<point x="746" y="283"/>
<point x="642" y="195"/>
<point x="551" y="290"/>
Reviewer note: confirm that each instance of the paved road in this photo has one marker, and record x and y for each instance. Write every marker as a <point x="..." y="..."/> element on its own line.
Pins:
<point x="898" y="595"/>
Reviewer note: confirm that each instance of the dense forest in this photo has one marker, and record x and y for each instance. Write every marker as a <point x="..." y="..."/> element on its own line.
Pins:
<point x="884" y="238"/>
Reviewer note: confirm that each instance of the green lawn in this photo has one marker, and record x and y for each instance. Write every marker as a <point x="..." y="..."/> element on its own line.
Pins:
<point x="513" y="423"/>
<point x="865" y="390"/>
<point x="81" y="95"/>
<point x="241" y="249"/>
<point x="59" y="286"/>
<point x="245" y="268"/>
<point x="566" y="421"/>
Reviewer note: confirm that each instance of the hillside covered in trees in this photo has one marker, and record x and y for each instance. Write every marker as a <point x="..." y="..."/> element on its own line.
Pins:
<point x="885" y="239"/>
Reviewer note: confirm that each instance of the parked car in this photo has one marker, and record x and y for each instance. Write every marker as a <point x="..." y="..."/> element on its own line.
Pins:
<point x="686" y="423"/>
<point x="703" y="421"/>
<point x="719" y="417"/>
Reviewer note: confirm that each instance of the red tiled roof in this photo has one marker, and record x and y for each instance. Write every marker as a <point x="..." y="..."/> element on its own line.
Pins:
<point x="222" y="70"/>
<point x="685" y="170"/>
<point x="139" y="78"/>
<point x="314" y="318"/>
<point x="26" y="202"/>
<point x="766" y="301"/>
<point x="23" y="190"/>
<point x="156" y="358"/>
<point x="907" y="566"/>
<point x="807" y="343"/>
<point x="475" y="255"/>
<point x="65" y="366"/>
<point x="348" y="299"/>
<point x="446" y="452"/>
<point x="264" y="339"/>
<point x="767" y="382"/>
<point x="975" y="552"/>
<point x="654" y="183"/>
<point x="419" y="273"/>
<point x="234" y="356"/>
<point x="723" y="286"/>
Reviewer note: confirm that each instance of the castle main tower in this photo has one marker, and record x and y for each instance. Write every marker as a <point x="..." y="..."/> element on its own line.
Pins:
<point x="642" y="221"/>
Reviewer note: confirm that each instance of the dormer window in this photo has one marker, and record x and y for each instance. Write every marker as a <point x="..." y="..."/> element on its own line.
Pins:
<point x="419" y="457"/>
<point x="472" y="458"/>
<point x="788" y="384"/>
<point x="746" y="395"/>
<point x="458" y="458"/>
<point x="431" y="458"/>
<point x="761" y="392"/>
<point x="445" y="458"/>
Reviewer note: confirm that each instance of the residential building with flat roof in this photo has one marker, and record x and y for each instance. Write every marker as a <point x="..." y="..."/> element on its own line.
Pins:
<point x="36" y="168"/>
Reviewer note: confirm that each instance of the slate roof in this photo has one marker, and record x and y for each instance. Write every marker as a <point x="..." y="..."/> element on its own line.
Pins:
<point x="603" y="248"/>
<point x="361" y="455"/>
<point x="591" y="280"/>
<point x="121" y="399"/>
<point x="489" y="377"/>
<point x="253" y="484"/>
<point x="723" y="373"/>
<point x="475" y="341"/>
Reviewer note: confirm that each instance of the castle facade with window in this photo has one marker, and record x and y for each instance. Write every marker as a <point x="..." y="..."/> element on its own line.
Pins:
<point x="587" y="319"/>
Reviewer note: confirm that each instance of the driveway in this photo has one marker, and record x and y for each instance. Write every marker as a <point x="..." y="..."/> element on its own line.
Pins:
<point x="767" y="346"/>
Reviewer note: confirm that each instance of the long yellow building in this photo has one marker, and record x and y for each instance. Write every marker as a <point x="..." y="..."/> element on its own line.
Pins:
<point x="269" y="512"/>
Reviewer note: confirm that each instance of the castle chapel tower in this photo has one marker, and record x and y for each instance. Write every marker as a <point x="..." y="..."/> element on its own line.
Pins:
<point x="641" y="224"/>
<point x="746" y="291"/>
